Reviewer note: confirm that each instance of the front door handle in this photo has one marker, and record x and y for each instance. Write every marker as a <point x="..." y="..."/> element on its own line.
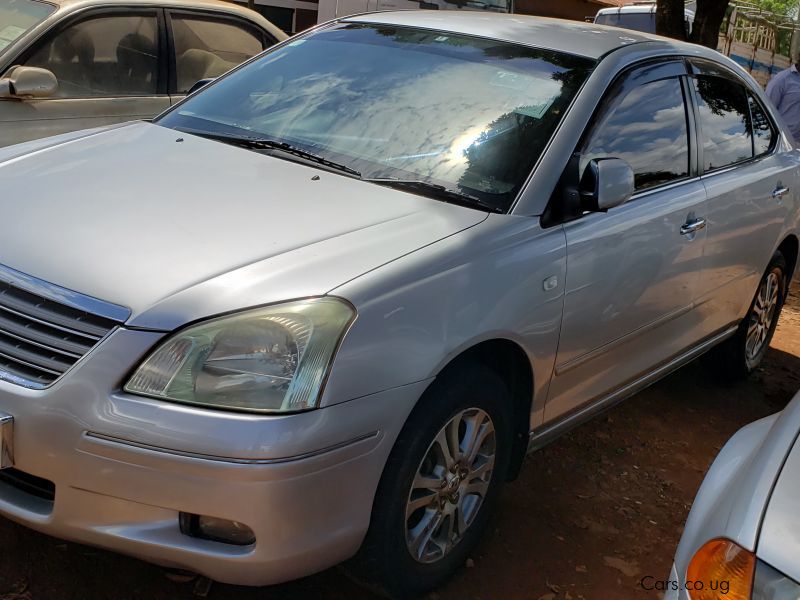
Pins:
<point x="693" y="226"/>
<point x="780" y="192"/>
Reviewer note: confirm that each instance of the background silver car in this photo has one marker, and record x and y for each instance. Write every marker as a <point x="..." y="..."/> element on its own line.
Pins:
<point x="743" y="533"/>
<point x="324" y="307"/>
<point x="73" y="64"/>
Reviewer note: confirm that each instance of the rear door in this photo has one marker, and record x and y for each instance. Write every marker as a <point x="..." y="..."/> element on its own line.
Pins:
<point x="750" y="182"/>
<point x="204" y="45"/>
<point x="633" y="272"/>
<point x="109" y="67"/>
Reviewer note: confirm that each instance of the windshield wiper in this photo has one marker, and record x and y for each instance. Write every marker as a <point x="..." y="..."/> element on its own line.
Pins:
<point x="256" y="143"/>
<point x="438" y="192"/>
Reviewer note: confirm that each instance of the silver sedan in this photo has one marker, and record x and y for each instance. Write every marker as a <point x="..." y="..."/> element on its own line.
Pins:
<point x="321" y="309"/>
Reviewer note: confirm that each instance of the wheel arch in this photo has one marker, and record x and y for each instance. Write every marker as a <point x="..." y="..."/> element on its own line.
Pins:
<point x="510" y="361"/>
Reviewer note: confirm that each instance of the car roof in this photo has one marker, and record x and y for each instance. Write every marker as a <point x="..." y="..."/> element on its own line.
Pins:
<point x="572" y="37"/>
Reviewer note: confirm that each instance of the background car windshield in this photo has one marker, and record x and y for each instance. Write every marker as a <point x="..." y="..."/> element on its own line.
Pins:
<point x="18" y="16"/>
<point x="468" y="113"/>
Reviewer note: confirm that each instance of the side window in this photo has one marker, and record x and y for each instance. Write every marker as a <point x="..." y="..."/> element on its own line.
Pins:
<point x="114" y="55"/>
<point x="724" y="121"/>
<point x="645" y="126"/>
<point x="763" y="134"/>
<point x="207" y="48"/>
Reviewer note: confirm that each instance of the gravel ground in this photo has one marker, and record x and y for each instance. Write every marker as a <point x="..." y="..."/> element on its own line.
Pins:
<point x="590" y="515"/>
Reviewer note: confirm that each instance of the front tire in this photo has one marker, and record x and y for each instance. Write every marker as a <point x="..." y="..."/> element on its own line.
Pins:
<point x="741" y="354"/>
<point x="440" y="484"/>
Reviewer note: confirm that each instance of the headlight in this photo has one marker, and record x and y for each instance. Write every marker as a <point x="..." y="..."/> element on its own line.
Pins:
<point x="773" y="585"/>
<point x="271" y="359"/>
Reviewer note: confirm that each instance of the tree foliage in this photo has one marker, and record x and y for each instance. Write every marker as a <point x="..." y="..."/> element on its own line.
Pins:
<point x="783" y="8"/>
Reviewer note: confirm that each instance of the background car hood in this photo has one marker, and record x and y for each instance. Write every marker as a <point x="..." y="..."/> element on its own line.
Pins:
<point x="779" y="543"/>
<point x="177" y="227"/>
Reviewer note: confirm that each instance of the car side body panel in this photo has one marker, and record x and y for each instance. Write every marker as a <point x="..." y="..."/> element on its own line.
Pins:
<point x="779" y="543"/>
<point x="502" y="279"/>
<point x="632" y="279"/>
<point x="741" y="207"/>
<point x="24" y="120"/>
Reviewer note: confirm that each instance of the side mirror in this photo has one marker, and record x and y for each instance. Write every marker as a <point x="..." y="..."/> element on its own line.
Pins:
<point x="606" y="183"/>
<point x="28" y="82"/>
<point x="200" y="84"/>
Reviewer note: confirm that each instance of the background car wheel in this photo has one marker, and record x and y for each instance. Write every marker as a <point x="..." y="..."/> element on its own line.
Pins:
<point x="440" y="484"/>
<point x="737" y="357"/>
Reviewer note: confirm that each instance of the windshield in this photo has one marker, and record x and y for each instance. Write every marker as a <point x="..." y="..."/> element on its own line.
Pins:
<point x="18" y="16"/>
<point x="470" y="114"/>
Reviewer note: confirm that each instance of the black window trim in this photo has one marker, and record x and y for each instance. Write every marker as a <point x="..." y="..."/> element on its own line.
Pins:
<point x="93" y="12"/>
<point x="267" y="40"/>
<point x="708" y="68"/>
<point x="773" y="143"/>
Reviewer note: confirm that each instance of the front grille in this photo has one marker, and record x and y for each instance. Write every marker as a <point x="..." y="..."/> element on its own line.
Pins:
<point x="29" y="484"/>
<point x="40" y="337"/>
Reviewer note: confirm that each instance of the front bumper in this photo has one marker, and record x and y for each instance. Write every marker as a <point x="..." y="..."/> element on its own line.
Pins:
<point x="125" y="467"/>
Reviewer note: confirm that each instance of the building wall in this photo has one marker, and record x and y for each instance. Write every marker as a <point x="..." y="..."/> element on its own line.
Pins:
<point x="577" y="10"/>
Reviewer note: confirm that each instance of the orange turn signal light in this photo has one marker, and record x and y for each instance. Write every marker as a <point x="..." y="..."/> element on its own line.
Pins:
<point x="720" y="569"/>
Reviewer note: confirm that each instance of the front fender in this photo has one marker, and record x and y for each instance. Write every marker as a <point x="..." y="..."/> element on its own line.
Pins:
<point x="418" y="313"/>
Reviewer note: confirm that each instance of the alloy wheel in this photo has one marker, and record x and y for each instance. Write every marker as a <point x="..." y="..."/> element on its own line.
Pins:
<point x="450" y="485"/>
<point x="762" y="317"/>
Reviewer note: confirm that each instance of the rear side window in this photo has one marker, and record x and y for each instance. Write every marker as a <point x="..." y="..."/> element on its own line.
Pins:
<point x="645" y="126"/>
<point x="763" y="134"/>
<point x="724" y="121"/>
<point x="206" y="48"/>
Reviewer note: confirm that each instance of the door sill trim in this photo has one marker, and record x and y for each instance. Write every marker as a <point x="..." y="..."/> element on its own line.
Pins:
<point x="550" y="432"/>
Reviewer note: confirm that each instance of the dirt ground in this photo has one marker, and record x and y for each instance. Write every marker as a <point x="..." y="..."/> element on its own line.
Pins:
<point x="590" y="515"/>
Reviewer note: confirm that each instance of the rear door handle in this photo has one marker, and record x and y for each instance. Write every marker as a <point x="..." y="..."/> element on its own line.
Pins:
<point x="780" y="192"/>
<point x="693" y="226"/>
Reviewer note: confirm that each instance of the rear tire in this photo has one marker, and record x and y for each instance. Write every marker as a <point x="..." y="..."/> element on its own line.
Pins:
<point x="738" y="356"/>
<point x="438" y="490"/>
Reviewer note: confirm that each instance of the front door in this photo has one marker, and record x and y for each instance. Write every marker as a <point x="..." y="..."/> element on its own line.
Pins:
<point x="109" y="69"/>
<point x="633" y="272"/>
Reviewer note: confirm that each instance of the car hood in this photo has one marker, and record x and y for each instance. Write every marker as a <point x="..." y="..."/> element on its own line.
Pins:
<point x="177" y="227"/>
<point x="779" y="543"/>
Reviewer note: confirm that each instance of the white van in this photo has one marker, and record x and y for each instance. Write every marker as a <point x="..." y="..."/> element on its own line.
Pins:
<point x="640" y="16"/>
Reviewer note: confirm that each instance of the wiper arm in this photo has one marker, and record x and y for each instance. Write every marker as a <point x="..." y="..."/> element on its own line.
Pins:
<point x="257" y="143"/>
<point x="438" y="192"/>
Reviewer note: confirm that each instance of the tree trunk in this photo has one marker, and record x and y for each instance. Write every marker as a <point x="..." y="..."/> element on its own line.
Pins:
<point x="707" y="21"/>
<point x="670" y="20"/>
